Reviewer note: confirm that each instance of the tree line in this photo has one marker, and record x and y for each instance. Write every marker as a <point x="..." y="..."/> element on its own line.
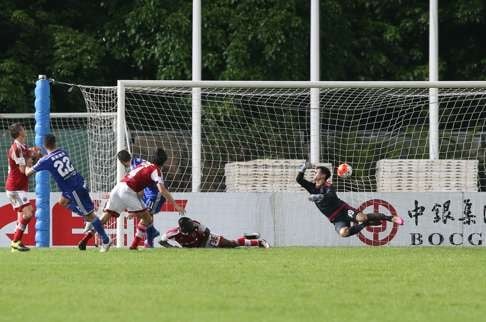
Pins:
<point x="98" y="42"/>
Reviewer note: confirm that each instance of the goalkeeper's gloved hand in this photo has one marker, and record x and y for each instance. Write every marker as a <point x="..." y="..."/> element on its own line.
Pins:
<point x="316" y="197"/>
<point x="304" y="166"/>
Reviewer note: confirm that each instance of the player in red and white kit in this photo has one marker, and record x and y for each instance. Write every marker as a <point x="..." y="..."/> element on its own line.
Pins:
<point x="125" y="195"/>
<point x="192" y="234"/>
<point x="17" y="184"/>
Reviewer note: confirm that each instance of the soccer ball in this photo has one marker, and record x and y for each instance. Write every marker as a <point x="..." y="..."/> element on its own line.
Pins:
<point x="344" y="170"/>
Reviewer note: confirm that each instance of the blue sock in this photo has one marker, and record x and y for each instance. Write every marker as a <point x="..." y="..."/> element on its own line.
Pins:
<point x="151" y="234"/>
<point x="98" y="226"/>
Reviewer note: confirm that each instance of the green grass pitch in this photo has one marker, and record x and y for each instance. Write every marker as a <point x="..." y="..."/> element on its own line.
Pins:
<point x="277" y="284"/>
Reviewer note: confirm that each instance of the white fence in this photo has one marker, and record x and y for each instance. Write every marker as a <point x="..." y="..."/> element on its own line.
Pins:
<point x="288" y="219"/>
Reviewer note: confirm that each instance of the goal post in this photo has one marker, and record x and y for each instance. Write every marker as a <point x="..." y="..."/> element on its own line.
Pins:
<point x="252" y="134"/>
<point x="266" y="126"/>
<point x="76" y="133"/>
<point x="72" y="131"/>
<point x="315" y="131"/>
<point x="121" y="140"/>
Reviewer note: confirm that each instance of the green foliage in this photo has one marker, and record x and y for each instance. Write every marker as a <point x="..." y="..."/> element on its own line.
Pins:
<point x="151" y="37"/>
<point x="16" y="86"/>
<point x="256" y="40"/>
<point x="58" y="39"/>
<point x="98" y="42"/>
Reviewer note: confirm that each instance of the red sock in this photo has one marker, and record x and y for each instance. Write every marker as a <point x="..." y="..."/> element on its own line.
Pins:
<point x="248" y="242"/>
<point x="21" y="225"/>
<point x="139" y="235"/>
<point x="254" y="242"/>
<point x="87" y="236"/>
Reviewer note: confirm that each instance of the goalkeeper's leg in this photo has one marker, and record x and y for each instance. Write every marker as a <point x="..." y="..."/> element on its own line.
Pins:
<point x="345" y="229"/>
<point x="375" y="218"/>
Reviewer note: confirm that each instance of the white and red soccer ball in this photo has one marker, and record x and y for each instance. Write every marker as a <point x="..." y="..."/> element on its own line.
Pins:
<point x="344" y="170"/>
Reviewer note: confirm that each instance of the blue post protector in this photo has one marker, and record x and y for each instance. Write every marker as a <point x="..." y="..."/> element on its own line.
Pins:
<point x="42" y="189"/>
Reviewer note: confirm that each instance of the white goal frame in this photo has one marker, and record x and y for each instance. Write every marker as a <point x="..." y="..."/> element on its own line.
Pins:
<point x="314" y="121"/>
<point x="433" y="87"/>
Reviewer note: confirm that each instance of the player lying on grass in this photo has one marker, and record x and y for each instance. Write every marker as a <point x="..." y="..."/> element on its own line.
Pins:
<point x="192" y="234"/>
<point x="75" y="194"/>
<point x="124" y="196"/>
<point x="17" y="183"/>
<point x="347" y="220"/>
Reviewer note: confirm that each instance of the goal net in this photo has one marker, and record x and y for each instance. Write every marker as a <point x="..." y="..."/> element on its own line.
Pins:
<point x="83" y="136"/>
<point x="253" y="138"/>
<point x="70" y="129"/>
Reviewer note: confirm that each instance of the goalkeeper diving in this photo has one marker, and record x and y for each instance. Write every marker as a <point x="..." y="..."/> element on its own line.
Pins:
<point x="347" y="220"/>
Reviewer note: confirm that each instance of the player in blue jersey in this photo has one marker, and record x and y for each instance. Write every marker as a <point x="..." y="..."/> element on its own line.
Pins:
<point x="152" y="198"/>
<point x="75" y="194"/>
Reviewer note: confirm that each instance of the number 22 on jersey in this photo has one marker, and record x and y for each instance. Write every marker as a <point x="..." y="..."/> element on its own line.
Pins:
<point x="63" y="166"/>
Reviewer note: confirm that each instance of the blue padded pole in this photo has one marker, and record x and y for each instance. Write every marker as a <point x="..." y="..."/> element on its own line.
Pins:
<point x="42" y="189"/>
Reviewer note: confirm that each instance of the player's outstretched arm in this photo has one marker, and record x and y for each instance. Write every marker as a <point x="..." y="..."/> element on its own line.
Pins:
<point x="304" y="166"/>
<point x="165" y="243"/>
<point x="34" y="163"/>
<point x="307" y="185"/>
<point x="168" y="196"/>
<point x="29" y="169"/>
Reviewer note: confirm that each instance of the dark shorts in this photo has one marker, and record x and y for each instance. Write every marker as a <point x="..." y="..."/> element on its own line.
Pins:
<point x="153" y="202"/>
<point x="345" y="218"/>
<point x="79" y="201"/>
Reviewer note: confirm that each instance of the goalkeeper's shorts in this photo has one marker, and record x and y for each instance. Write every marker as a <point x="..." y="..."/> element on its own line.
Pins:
<point x="344" y="219"/>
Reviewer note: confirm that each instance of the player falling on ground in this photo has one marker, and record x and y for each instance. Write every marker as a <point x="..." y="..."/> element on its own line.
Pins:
<point x="75" y="195"/>
<point x="17" y="184"/>
<point x="124" y="196"/>
<point x="347" y="220"/>
<point x="192" y="234"/>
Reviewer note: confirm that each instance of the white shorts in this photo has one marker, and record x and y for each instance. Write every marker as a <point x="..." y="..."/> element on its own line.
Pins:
<point x="122" y="198"/>
<point x="18" y="199"/>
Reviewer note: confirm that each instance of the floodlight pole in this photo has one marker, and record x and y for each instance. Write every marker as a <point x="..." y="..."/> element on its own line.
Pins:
<point x="314" y="77"/>
<point x="196" y="96"/>
<point x="433" y="77"/>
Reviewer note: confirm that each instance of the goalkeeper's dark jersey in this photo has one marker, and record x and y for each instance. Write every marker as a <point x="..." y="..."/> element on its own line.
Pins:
<point x="330" y="206"/>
